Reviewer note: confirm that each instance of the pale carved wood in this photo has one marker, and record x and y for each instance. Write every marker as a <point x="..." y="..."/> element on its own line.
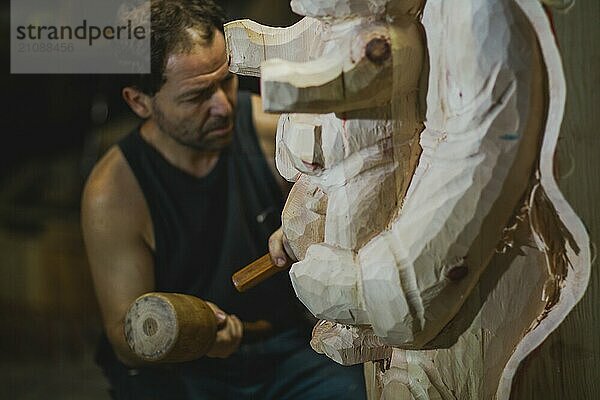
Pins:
<point x="349" y="344"/>
<point x="443" y="234"/>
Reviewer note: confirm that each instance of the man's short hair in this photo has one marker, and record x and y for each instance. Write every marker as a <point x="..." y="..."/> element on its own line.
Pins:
<point x="170" y="22"/>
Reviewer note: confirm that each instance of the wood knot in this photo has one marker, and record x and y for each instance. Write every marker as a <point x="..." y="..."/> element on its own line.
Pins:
<point x="457" y="273"/>
<point x="378" y="50"/>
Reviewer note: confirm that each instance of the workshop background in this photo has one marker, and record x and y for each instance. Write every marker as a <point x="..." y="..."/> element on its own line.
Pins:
<point x="55" y="127"/>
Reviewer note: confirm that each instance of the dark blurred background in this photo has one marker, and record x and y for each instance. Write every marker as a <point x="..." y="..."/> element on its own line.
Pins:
<point x="54" y="128"/>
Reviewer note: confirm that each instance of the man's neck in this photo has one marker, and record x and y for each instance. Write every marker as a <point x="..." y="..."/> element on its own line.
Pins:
<point x="192" y="161"/>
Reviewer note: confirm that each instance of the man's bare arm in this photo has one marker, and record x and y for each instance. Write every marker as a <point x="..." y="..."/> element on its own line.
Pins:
<point x="120" y="260"/>
<point x="266" y="130"/>
<point x="117" y="229"/>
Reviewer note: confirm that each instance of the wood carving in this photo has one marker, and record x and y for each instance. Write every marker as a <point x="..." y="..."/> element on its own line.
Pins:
<point x="429" y="227"/>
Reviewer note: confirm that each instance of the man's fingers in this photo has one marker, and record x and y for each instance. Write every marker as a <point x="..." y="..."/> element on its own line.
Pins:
<point x="288" y="249"/>
<point x="231" y="337"/>
<point x="238" y="328"/>
<point x="219" y="314"/>
<point x="278" y="254"/>
<point x="228" y="338"/>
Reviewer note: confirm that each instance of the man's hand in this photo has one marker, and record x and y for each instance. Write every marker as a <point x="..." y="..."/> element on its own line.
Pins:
<point x="229" y="334"/>
<point x="280" y="250"/>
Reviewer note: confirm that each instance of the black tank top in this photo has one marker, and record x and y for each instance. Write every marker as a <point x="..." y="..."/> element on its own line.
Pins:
<point x="207" y="228"/>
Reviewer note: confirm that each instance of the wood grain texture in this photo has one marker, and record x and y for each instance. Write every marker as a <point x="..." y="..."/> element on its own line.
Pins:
<point x="170" y="327"/>
<point x="348" y="344"/>
<point x="255" y="273"/>
<point x="567" y="365"/>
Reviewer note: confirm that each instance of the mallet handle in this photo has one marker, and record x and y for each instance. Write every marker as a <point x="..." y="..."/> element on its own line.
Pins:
<point x="255" y="273"/>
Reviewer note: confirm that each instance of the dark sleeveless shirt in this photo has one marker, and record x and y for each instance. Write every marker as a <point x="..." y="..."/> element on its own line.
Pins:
<point x="207" y="228"/>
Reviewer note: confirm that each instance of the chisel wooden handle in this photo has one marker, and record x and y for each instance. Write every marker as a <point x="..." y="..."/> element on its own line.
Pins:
<point x="255" y="273"/>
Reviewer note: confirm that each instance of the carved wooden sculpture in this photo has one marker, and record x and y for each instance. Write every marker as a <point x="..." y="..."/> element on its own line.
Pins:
<point x="425" y="215"/>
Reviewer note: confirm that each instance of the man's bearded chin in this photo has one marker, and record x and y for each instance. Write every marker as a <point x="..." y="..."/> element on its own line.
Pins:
<point x="208" y="144"/>
<point x="203" y="143"/>
<point x="216" y="123"/>
<point x="214" y="143"/>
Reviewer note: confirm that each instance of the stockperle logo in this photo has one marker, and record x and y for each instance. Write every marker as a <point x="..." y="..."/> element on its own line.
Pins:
<point x="80" y="36"/>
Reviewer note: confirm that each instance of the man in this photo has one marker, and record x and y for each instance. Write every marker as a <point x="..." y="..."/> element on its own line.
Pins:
<point x="180" y="204"/>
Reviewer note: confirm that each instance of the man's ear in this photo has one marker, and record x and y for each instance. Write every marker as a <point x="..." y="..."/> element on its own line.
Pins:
<point x="139" y="102"/>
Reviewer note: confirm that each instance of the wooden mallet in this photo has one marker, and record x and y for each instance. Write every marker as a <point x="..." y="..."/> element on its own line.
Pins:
<point x="171" y="327"/>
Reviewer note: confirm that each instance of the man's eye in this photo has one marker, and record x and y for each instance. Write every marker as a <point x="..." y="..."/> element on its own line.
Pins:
<point x="199" y="96"/>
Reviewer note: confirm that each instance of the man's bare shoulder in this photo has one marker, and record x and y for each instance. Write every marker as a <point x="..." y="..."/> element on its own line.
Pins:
<point x="266" y="130"/>
<point x="112" y="191"/>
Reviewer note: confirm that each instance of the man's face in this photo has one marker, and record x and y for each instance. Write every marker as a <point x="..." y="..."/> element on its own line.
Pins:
<point x="196" y="104"/>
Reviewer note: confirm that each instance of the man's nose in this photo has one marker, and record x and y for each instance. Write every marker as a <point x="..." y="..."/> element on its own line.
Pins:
<point x="220" y="104"/>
